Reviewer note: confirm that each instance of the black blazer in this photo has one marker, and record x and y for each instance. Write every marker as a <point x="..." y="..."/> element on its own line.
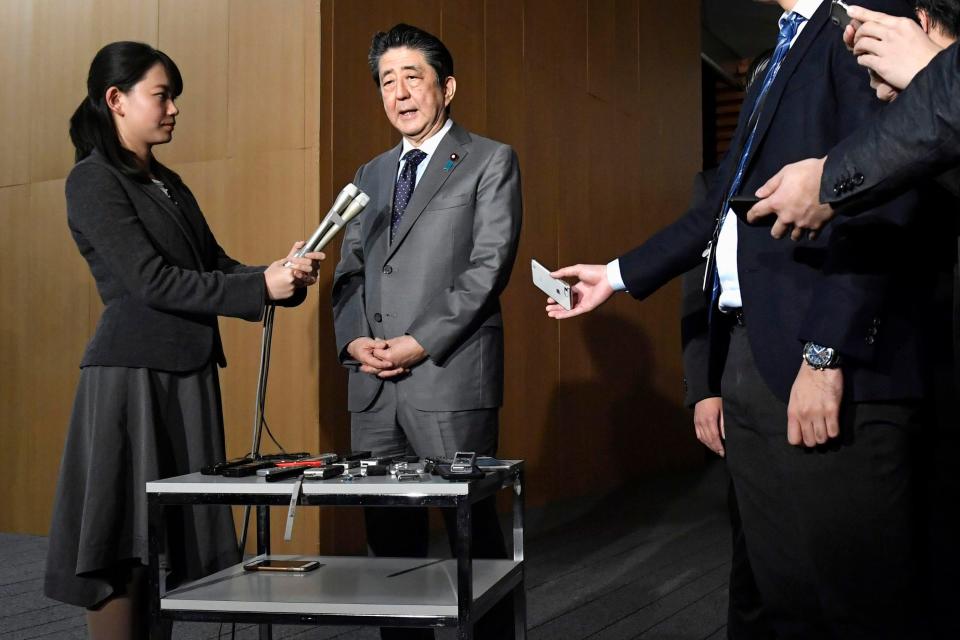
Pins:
<point x="849" y="289"/>
<point x="701" y="369"/>
<point x="161" y="275"/>
<point x="917" y="136"/>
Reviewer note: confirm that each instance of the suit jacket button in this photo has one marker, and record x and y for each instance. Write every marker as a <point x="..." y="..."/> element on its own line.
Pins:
<point x="388" y="269"/>
<point x="870" y="340"/>
<point x="378" y="317"/>
<point x="858" y="179"/>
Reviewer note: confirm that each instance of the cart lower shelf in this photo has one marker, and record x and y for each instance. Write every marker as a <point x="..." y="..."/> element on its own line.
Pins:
<point x="345" y="586"/>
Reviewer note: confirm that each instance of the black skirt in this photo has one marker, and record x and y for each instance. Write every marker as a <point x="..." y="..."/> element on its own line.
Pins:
<point x="128" y="427"/>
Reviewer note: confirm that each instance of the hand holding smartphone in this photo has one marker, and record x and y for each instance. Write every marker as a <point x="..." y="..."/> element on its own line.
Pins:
<point x="558" y="290"/>
<point x="838" y="13"/>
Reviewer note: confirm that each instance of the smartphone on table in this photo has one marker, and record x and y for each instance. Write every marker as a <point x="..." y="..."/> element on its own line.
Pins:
<point x="292" y="566"/>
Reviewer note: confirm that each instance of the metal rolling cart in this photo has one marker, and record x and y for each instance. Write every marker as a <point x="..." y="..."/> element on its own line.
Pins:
<point x="345" y="590"/>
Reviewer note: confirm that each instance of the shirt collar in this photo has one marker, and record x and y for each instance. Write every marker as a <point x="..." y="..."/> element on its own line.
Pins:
<point x="806" y="8"/>
<point x="430" y="144"/>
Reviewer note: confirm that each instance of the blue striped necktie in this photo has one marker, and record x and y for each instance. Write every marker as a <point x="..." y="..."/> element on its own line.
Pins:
<point x="789" y="24"/>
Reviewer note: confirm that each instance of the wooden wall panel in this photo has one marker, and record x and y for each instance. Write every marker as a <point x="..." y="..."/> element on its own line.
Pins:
<point x="66" y="35"/>
<point x="195" y="35"/>
<point x="15" y="429"/>
<point x="15" y="29"/>
<point x="529" y="388"/>
<point x="266" y="76"/>
<point x="45" y="312"/>
<point x="462" y="30"/>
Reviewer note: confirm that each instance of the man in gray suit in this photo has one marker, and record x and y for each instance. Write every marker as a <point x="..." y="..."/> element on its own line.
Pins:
<point x="416" y="293"/>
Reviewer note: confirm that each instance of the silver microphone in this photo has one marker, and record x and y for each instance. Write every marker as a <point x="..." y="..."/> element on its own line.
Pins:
<point x="346" y="196"/>
<point x="353" y="209"/>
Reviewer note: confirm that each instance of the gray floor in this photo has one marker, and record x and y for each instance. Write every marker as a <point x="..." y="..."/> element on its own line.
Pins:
<point x="650" y="561"/>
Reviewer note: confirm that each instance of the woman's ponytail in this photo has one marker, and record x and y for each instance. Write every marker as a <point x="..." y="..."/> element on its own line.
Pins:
<point x="85" y="128"/>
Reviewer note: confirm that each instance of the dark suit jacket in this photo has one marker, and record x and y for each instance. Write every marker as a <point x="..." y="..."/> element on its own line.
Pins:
<point x="161" y="275"/>
<point x="440" y="279"/>
<point x="701" y="369"/>
<point x="917" y="136"/>
<point x="835" y="290"/>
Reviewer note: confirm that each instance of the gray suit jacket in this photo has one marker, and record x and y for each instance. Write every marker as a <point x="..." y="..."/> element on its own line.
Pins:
<point x="441" y="278"/>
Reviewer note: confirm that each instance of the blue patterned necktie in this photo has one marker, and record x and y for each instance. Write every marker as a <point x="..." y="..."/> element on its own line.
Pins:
<point x="405" y="185"/>
<point x="789" y="24"/>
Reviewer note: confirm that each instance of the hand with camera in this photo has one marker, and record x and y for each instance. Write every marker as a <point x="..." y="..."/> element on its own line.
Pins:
<point x="893" y="49"/>
<point x="793" y="195"/>
<point x="591" y="290"/>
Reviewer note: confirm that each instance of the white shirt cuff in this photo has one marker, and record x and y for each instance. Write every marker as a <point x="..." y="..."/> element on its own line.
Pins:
<point x="614" y="277"/>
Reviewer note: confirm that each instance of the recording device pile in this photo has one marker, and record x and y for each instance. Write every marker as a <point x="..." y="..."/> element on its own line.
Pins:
<point x="277" y="466"/>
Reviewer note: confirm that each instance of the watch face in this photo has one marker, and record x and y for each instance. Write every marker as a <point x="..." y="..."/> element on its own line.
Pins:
<point x="818" y="356"/>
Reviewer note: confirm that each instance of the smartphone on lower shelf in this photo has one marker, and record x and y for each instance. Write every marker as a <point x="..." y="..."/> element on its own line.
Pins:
<point x="269" y="564"/>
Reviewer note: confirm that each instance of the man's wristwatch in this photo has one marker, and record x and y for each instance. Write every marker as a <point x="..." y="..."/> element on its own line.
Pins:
<point x="820" y="357"/>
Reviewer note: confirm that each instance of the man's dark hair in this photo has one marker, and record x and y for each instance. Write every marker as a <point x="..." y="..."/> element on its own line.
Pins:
<point x="944" y="14"/>
<point x="403" y="35"/>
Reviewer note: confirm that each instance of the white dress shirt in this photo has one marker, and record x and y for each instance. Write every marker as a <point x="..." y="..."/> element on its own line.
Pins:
<point x="727" y="242"/>
<point x="428" y="147"/>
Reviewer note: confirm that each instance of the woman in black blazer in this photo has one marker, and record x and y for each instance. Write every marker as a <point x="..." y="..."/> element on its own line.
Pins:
<point x="148" y="400"/>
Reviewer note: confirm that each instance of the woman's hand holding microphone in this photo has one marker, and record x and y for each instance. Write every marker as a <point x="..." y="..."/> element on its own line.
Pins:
<point x="288" y="274"/>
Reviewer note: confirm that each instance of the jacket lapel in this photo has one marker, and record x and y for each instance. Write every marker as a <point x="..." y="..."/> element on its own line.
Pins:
<point x="153" y="191"/>
<point x="436" y="173"/>
<point x="378" y="225"/>
<point x="189" y="209"/>
<point x="789" y="65"/>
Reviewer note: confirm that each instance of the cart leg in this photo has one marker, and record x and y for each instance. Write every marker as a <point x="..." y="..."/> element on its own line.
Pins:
<point x="464" y="569"/>
<point x="154" y="544"/>
<point x="263" y="548"/>
<point x="518" y="510"/>
<point x="520" y="591"/>
<point x="465" y="632"/>
<point x="263" y="529"/>
<point x="520" y="609"/>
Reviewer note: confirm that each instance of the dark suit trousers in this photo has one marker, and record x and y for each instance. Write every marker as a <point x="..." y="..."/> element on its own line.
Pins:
<point x="392" y="427"/>
<point x="745" y="617"/>
<point x="829" y="531"/>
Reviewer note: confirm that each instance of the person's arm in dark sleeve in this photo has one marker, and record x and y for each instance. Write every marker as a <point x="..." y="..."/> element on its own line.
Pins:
<point x="916" y="136"/>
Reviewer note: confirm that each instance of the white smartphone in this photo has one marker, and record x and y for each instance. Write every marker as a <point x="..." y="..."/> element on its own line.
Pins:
<point x="556" y="289"/>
